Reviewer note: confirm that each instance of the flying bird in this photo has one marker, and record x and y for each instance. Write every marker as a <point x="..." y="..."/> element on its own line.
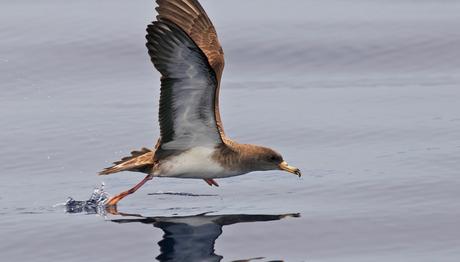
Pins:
<point x="184" y="47"/>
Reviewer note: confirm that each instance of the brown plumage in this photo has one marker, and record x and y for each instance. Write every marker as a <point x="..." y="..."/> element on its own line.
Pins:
<point x="184" y="48"/>
<point x="139" y="161"/>
<point x="191" y="17"/>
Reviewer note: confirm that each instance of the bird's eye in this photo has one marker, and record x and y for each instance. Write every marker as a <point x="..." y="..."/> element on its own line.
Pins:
<point x="273" y="158"/>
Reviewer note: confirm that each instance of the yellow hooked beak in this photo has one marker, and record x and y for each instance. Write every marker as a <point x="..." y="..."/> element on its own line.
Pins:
<point x="294" y="170"/>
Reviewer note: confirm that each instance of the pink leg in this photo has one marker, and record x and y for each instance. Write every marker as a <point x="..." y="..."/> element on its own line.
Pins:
<point x="211" y="182"/>
<point x="114" y="200"/>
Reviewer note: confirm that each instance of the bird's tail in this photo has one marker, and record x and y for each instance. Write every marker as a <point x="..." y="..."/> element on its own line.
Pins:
<point x="139" y="161"/>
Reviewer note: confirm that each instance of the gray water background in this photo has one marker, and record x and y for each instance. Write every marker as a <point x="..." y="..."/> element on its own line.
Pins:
<point x="363" y="96"/>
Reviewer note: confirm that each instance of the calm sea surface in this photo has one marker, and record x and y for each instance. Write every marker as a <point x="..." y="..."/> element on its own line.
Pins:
<point x="363" y="96"/>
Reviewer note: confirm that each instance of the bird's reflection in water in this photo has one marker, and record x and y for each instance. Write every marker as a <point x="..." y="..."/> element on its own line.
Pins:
<point x="192" y="238"/>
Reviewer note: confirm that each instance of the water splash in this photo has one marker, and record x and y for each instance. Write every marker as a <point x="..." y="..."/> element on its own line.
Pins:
<point x="94" y="205"/>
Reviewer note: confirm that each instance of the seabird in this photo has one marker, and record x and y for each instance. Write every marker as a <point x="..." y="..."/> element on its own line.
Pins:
<point x="184" y="47"/>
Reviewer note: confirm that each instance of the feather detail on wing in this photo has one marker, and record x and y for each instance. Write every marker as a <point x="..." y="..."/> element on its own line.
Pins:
<point x="190" y="16"/>
<point x="188" y="89"/>
<point x="192" y="19"/>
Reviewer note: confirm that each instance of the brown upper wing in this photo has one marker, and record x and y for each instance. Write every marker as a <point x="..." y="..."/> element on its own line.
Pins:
<point x="191" y="17"/>
<point x="193" y="20"/>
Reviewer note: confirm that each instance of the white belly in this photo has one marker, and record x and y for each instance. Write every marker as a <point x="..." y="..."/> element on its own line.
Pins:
<point x="194" y="163"/>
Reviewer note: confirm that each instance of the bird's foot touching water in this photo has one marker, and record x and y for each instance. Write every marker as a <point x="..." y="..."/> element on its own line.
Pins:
<point x="99" y="202"/>
<point x="114" y="200"/>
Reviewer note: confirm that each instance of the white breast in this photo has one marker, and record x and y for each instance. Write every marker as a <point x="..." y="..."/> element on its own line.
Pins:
<point x="194" y="163"/>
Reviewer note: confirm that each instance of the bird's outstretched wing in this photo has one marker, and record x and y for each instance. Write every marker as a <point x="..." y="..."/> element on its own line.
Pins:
<point x="184" y="47"/>
<point x="188" y="88"/>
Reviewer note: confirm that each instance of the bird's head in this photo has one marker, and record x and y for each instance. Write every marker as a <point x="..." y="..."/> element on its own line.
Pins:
<point x="264" y="159"/>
